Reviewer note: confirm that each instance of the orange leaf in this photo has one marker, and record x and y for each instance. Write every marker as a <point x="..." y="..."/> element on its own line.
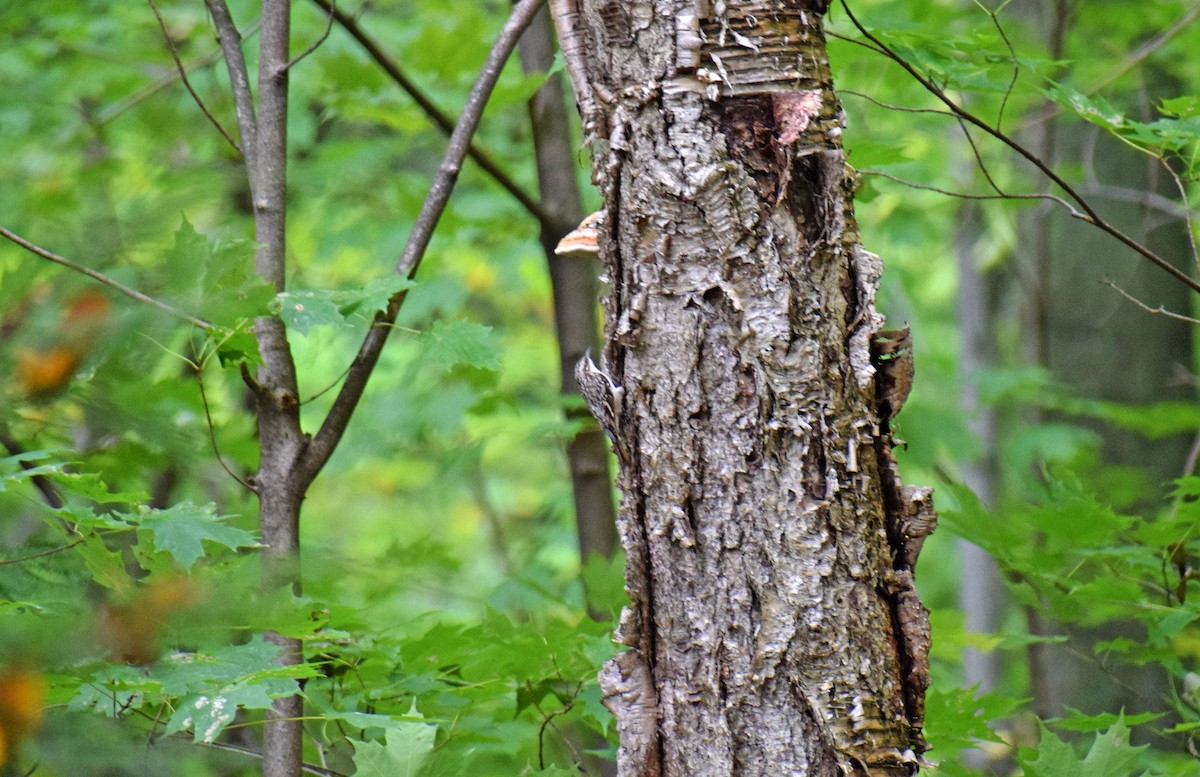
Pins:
<point x="43" y="373"/>
<point x="87" y="308"/>
<point x="22" y="702"/>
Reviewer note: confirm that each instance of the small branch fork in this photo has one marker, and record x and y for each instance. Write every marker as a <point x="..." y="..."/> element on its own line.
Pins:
<point x="326" y="439"/>
<point x="187" y="84"/>
<point x="1084" y="212"/>
<point x="439" y="117"/>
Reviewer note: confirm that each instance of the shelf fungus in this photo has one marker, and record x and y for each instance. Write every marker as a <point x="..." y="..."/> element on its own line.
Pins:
<point x="584" y="240"/>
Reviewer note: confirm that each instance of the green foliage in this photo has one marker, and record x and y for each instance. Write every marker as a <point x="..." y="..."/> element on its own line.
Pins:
<point x="1110" y="756"/>
<point x="444" y="615"/>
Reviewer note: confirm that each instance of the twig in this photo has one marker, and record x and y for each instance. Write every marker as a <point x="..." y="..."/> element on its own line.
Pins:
<point x="199" y="323"/>
<point x="973" y="196"/>
<point x="43" y="484"/>
<point x="328" y="388"/>
<point x="305" y="767"/>
<point x="1187" y="205"/>
<point x="1146" y="199"/>
<point x="212" y="433"/>
<point x="326" y="439"/>
<point x="1012" y="55"/>
<point x="318" y="41"/>
<point x="125" y="103"/>
<point x="436" y="114"/>
<point x="891" y="107"/>
<point x="162" y="25"/>
<point x="987" y="174"/>
<point x="855" y="41"/>
<point x="1160" y="310"/>
<point x="1146" y="49"/>
<point x="44" y="553"/>
<point x="154" y="87"/>
<point x="1089" y="214"/>
<point x="239" y="80"/>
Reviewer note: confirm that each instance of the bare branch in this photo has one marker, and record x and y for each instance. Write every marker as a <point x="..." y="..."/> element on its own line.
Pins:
<point x="239" y="79"/>
<point x="318" y="41"/>
<point x="307" y="768"/>
<point x="891" y="107"/>
<point x="1160" y="310"/>
<point x="212" y="432"/>
<point x="162" y="25"/>
<point x="983" y="168"/>
<point x="1183" y="195"/>
<point x="1089" y="214"/>
<point x="1012" y="55"/>
<point x="154" y="87"/>
<point x="973" y="196"/>
<point x="44" y="553"/>
<point x="331" y="431"/>
<point x="436" y="114"/>
<point x="199" y="323"/>
<point x="1146" y="49"/>
<point x="1146" y="199"/>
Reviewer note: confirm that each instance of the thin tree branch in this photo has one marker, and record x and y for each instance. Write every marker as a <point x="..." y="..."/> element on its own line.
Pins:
<point x="316" y="44"/>
<point x="212" y="432"/>
<point x="187" y="84"/>
<point x="154" y="87"/>
<point x="42" y="483"/>
<point x="436" y="114"/>
<point x="239" y="79"/>
<point x="199" y="323"/>
<point x="306" y="767"/>
<point x="44" y="553"/>
<point x="1187" y="205"/>
<point x="334" y="426"/>
<point x="973" y="196"/>
<point x="1012" y="55"/>
<point x="116" y="109"/>
<point x="1132" y="61"/>
<point x="983" y="168"/>
<point x="1089" y="214"/>
<point x="1160" y="310"/>
<point x="891" y="107"/>
<point x="1146" y="199"/>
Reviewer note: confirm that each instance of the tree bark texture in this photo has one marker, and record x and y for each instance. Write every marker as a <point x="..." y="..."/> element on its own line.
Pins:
<point x="773" y="627"/>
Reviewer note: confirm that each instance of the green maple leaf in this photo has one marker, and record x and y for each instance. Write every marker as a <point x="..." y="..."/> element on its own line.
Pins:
<point x="461" y="343"/>
<point x="408" y="743"/>
<point x="181" y="530"/>
<point x="1111" y="755"/>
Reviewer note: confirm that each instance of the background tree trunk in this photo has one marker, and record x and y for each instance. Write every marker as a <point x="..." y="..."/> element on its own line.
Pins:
<point x="573" y="282"/>
<point x="773" y="627"/>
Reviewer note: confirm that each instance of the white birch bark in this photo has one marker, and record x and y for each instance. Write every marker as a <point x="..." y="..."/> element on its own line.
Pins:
<point x="773" y="629"/>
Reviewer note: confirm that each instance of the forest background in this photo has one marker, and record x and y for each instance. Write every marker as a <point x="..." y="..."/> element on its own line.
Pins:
<point x="444" y="615"/>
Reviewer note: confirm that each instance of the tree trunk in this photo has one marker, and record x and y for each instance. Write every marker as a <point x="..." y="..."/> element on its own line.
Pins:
<point x="773" y="627"/>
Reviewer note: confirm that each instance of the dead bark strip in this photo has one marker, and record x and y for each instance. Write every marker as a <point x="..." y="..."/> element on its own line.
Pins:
<point x="774" y="627"/>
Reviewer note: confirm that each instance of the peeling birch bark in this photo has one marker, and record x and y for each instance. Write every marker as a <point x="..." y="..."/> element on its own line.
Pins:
<point x="774" y="628"/>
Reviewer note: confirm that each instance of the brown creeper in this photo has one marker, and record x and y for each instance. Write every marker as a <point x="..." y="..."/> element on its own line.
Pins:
<point x="603" y="397"/>
<point x="891" y="353"/>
